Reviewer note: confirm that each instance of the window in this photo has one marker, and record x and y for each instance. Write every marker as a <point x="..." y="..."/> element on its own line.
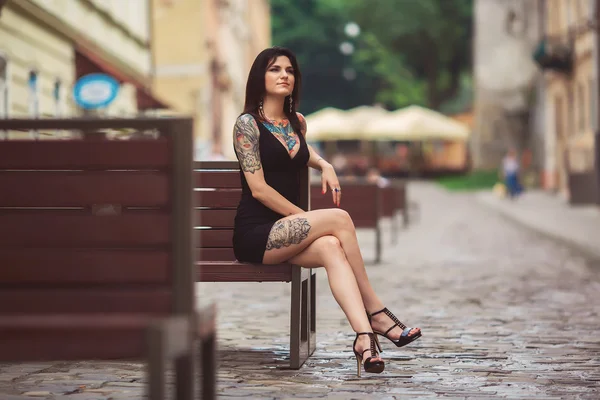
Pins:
<point x="32" y="82"/>
<point x="578" y="11"/>
<point x="57" y="97"/>
<point x="570" y="120"/>
<point x="593" y="105"/>
<point x="4" y="86"/>
<point x="558" y="117"/>
<point x="580" y="108"/>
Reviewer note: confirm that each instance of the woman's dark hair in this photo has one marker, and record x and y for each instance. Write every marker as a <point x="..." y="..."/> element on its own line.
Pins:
<point x="255" y="87"/>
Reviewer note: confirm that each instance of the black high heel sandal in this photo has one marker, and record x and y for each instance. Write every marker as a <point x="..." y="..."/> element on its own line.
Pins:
<point x="375" y="367"/>
<point x="404" y="338"/>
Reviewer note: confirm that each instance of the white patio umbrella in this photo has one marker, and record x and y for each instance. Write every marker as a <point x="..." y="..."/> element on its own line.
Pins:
<point x="324" y="124"/>
<point x="415" y="123"/>
<point x="332" y="124"/>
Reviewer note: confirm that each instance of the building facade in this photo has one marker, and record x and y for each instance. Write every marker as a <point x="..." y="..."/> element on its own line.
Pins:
<point x="570" y="65"/>
<point x="508" y="106"/>
<point x="201" y="68"/>
<point x="46" y="45"/>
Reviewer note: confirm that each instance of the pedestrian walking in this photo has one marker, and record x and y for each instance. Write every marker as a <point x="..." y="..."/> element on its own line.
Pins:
<point x="510" y="170"/>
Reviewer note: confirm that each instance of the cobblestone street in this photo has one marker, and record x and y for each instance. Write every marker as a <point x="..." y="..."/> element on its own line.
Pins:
<point x="505" y="313"/>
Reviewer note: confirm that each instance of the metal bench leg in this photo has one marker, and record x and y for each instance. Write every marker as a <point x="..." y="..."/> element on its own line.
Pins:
<point x="209" y="368"/>
<point x="171" y="339"/>
<point x="377" y="243"/>
<point x="405" y="216"/>
<point x="394" y="224"/>
<point x="300" y="317"/>
<point x="208" y="350"/>
<point x="184" y="370"/>
<point x="312" y="333"/>
<point x="157" y="364"/>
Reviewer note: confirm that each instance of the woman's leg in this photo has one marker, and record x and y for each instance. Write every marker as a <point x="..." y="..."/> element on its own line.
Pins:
<point x="326" y="252"/>
<point x="290" y="235"/>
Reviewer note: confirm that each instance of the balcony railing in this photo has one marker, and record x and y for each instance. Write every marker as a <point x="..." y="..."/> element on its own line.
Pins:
<point x="554" y="54"/>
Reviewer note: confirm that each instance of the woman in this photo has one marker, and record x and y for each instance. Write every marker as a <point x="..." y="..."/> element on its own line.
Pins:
<point x="270" y="228"/>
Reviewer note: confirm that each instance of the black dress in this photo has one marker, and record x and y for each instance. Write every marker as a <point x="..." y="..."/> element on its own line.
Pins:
<point x="254" y="220"/>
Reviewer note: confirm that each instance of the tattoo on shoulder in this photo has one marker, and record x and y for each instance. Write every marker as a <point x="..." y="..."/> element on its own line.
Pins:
<point x="287" y="232"/>
<point x="246" y="135"/>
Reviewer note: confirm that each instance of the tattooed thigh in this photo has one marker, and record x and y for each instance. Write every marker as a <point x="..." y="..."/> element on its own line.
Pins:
<point x="288" y="232"/>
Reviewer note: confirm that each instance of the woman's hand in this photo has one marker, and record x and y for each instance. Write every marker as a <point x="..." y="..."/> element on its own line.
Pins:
<point x="329" y="178"/>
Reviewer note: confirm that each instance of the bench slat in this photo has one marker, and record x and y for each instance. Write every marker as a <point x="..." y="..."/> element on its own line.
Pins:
<point x="74" y="267"/>
<point x="218" y="198"/>
<point x="214" y="165"/>
<point x="216" y="218"/>
<point x="215" y="254"/>
<point x="84" y="300"/>
<point x="358" y="200"/>
<point x="71" y="189"/>
<point x="215" y="237"/>
<point x="219" y="271"/>
<point x="217" y="179"/>
<point x="72" y="230"/>
<point x="72" y="337"/>
<point x="75" y="154"/>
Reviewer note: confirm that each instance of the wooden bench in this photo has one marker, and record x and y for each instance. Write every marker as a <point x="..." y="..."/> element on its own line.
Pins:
<point x="363" y="201"/>
<point x="393" y="199"/>
<point x="218" y="191"/>
<point x="96" y="250"/>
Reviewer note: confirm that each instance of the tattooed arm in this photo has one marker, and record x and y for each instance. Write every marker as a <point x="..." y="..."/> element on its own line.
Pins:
<point x="315" y="161"/>
<point x="246" y="136"/>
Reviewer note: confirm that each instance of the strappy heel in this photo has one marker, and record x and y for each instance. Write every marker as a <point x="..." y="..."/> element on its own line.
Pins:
<point x="404" y="338"/>
<point x="375" y="367"/>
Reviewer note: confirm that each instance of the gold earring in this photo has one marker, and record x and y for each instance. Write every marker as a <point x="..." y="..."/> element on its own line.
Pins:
<point x="260" y="106"/>
<point x="291" y="102"/>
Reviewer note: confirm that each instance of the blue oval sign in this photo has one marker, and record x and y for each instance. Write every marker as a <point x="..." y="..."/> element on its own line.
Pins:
<point x="95" y="90"/>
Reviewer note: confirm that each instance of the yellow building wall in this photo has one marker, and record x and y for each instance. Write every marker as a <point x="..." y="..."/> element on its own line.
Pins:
<point x="29" y="46"/>
<point x="188" y="36"/>
<point x="569" y="97"/>
<point x="181" y="64"/>
<point x="125" y="37"/>
<point x="43" y="35"/>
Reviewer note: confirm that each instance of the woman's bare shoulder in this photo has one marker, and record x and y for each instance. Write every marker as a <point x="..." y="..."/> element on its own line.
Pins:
<point x="246" y="119"/>
<point x="302" y="122"/>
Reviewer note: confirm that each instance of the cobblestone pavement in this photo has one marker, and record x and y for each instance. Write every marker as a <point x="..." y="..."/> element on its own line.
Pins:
<point x="547" y="213"/>
<point x="505" y="313"/>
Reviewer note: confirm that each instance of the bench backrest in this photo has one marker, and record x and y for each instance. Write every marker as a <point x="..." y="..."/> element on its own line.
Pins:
<point x="97" y="226"/>
<point x="393" y="198"/>
<point x="217" y="195"/>
<point x="389" y="200"/>
<point x="361" y="200"/>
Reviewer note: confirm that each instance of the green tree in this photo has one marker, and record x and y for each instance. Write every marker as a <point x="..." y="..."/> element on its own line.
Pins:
<point x="314" y="30"/>
<point x="408" y="51"/>
<point x="420" y="48"/>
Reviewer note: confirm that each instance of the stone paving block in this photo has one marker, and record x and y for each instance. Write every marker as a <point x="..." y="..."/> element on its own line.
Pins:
<point x="8" y="377"/>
